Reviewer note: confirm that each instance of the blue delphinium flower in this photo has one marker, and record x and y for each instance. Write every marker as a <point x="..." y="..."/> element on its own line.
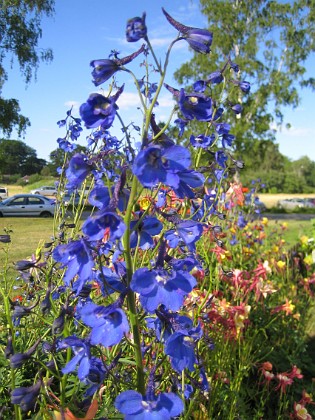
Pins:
<point x="195" y="106"/>
<point x="219" y="174"/>
<point x="192" y="105"/>
<point x="26" y="397"/>
<point x="108" y="323"/>
<point x="241" y="221"/>
<point x="181" y="124"/>
<point x="79" y="168"/>
<point x="143" y="231"/>
<point x="136" y="28"/>
<point x="104" y="69"/>
<point x="187" y="263"/>
<point x="161" y="198"/>
<point x="156" y="164"/>
<point x="111" y="281"/>
<point x="82" y="355"/>
<point x="187" y="231"/>
<point x="235" y="67"/>
<point x="181" y="349"/>
<point x="99" y="223"/>
<point x="99" y="110"/>
<point x="202" y="140"/>
<point x="166" y="323"/>
<point x="223" y="130"/>
<point x="160" y="286"/>
<point x="65" y="145"/>
<point x="199" y="40"/>
<point x="76" y="256"/>
<point x="100" y="197"/>
<point x="138" y="407"/>
<point x="227" y="140"/>
<point x="200" y="86"/>
<point x="244" y="86"/>
<point x="237" y="109"/>
<point x="180" y="346"/>
<point x="221" y="158"/>
<point x="188" y="179"/>
<point x="95" y="377"/>
<point x="215" y="78"/>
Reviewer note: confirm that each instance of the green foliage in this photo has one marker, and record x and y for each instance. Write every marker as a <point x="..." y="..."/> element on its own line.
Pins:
<point x="58" y="158"/>
<point x="270" y="41"/>
<point x="20" y="32"/>
<point x="17" y="157"/>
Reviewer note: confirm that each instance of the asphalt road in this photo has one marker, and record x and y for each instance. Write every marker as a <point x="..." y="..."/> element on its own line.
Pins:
<point x="289" y="216"/>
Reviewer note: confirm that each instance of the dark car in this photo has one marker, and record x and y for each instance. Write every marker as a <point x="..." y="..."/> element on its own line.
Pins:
<point x="27" y="205"/>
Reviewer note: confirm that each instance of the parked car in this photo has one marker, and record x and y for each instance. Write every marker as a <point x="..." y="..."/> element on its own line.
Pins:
<point x="293" y="203"/>
<point x="71" y="198"/>
<point x="27" y="205"/>
<point x="47" y="191"/>
<point x="3" y="193"/>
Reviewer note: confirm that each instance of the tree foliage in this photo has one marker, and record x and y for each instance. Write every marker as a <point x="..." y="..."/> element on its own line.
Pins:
<point x="20" y="31"/>
<point x="18" y="158"/>
<point x="58" y="158"/>
<point x="270" y="41"/>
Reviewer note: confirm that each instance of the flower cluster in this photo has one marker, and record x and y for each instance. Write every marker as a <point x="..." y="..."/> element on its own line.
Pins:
<point x="131" y="301"/>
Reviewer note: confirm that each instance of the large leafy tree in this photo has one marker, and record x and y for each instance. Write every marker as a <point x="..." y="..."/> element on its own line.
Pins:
<point x="58" y="157"/>
<point x="270" y="41"/>
<point x="18" y="158"/>
<point x="20" y="31"/>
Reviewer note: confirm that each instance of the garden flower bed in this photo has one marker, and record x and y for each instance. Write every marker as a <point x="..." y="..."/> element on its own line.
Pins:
<point x="168" y="301"/>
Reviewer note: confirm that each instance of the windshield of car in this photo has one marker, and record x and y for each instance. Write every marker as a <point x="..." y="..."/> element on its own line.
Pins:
<point x="3" y="202"/>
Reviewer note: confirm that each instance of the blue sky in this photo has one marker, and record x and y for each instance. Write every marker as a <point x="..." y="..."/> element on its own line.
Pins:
<point x="82" y="31"/>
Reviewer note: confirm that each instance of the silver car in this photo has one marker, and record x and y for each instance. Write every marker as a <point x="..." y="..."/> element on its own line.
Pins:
<point x="293" y="203"/>
<point x="27" y="205"/>
<point x="45" y="191"/>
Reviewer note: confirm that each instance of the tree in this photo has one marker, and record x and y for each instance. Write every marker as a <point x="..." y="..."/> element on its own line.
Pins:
<point x="270" y="41"/>
<point x="20" y="32"/>
<point x="18" y="158"/>
<point x="57" y="158"/>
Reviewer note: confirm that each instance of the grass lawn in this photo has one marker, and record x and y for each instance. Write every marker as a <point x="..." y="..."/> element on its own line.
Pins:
<point x="26" y="234"/>
<point x="295" y="229"/>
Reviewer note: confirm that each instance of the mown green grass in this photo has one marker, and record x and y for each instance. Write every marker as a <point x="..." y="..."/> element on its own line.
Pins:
<point x="294" y="230"/>
<point x="26" y="234"/>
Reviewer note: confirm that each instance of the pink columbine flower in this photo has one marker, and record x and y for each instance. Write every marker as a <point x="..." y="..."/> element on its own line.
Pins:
<point x="284" y="381"/>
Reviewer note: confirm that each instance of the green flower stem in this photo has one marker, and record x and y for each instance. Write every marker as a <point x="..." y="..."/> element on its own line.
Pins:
<point x="126" y="134"/>
<point x="131" y="298"/>
<point x="150" y="110"/>
<point x="133" y="317"/>
<point x="158" y="65"/>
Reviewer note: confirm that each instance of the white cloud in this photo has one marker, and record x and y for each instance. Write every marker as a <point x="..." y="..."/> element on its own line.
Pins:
<point x="161" y="41"/>
<point x="166" y="102"/>
<point x="129" y="100"/>
<point x="74" y="104"/>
